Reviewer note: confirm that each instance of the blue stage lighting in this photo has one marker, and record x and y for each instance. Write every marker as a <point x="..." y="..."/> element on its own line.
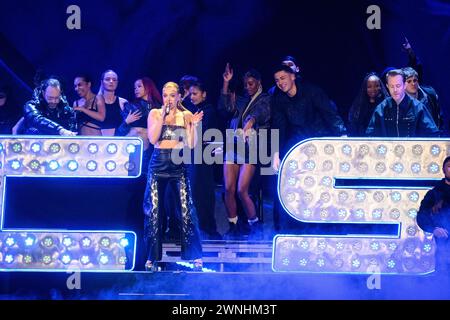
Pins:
<point x="74" y="148"/>
<point x="36" y="147"/>
<point x="15" y="164"/>
<point x="93" y="148"/>
<point x="10" y="241"/>
<point x="356" y="263"/>
<point x="53" y="165"/>
<point x="320" y="262"/>
<point x="124" y="242"/>
<point x="47" y="242"/>
<point x="110" y="165"/>
<point x="16" y="147"/>
<point x="9" y="258"/>
<point x="123" y="260"/>
<point x="105" y="242"/>
<point x="29" y="241"/>
<point x="72" y="165"/>
<point x="91" y="165"/>
<point x="27" y="259"/>
<point x="85" y="259"/>
<point x="111" y="148"/>
<point x="55" y="148"/>
<point x="86" y="242"/>
<point x="47" y="259"/>
<point x="103" y="259"/>
<point x="66" y="259"/>
<point x="433" y="167"/>
<point x="67" y="241"/>
<point x="34" y="165"/>
<point x="131" y="148"/>
<point x="435" y="150"/>
<point x="391" y="263"/>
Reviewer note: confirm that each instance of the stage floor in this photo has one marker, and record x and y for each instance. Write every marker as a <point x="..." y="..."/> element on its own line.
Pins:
<point x="180" y="285"/>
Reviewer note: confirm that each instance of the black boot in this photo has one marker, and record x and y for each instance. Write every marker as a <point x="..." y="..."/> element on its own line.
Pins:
<point x="256" y="231"/>
<point x="233" y="232"/>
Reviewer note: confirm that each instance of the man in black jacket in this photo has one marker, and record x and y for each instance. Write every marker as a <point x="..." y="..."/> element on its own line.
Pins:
<point x="300" y="111"/>
<point x="434" y="217"/>
<point x="399" y="115"/>
<point x="48" y="113"/>
<point x="425" y="94"/>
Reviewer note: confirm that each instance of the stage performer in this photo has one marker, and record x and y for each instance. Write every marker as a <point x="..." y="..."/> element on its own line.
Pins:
<point x="170" y="129"/>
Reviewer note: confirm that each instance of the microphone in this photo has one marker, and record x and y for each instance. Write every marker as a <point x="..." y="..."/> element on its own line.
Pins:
<point x="167" y="109"/>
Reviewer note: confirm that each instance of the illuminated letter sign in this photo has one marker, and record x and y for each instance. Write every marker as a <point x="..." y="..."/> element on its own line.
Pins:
<point x="65" y="158"/>
<point x="371" y="181"/>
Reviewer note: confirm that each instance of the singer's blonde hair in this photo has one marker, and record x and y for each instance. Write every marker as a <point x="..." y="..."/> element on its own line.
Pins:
<point x="175" y="86"/>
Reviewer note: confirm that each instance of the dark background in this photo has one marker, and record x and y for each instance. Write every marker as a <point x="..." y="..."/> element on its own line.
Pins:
<point x="167" y="39"/>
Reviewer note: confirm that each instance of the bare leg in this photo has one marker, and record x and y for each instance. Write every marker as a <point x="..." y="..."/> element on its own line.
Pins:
<point x="230" y="175"/>
<point x="245" y="178"/>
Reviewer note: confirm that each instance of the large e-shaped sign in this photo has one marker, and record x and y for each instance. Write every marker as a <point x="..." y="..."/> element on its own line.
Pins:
<point x="371" y="181"/>
<point x="66" y="158"/>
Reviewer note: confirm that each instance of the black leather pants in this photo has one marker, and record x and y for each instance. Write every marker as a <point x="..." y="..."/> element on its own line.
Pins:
<point x="165" y="176"/>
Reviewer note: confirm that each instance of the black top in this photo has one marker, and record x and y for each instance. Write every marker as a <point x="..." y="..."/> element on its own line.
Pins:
<point x="113" y="118"/>
<point x="83" y="118"/>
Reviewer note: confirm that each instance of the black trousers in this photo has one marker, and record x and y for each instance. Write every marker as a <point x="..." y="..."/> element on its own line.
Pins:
<point x="164" y="175"/>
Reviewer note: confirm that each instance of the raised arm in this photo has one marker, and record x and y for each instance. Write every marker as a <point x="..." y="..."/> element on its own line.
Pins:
<point x="226" y="103"/>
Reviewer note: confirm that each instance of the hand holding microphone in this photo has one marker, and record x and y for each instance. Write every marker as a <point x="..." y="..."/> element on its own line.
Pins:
<point x="167" y="109"/>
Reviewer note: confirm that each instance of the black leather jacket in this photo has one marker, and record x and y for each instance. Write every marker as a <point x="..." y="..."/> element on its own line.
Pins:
<point x="40" y="119"/>
<point x="408" y="119"/>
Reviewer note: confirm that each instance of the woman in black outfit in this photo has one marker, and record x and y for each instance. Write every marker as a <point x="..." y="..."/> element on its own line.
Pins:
<point x="170" y="129"/>
<point x="202" y="174"/>
<point x="371" y="93"/>
<point x="250" y="113"/>
<point x="90" y="107"/>
<point x="113" y="104"/>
